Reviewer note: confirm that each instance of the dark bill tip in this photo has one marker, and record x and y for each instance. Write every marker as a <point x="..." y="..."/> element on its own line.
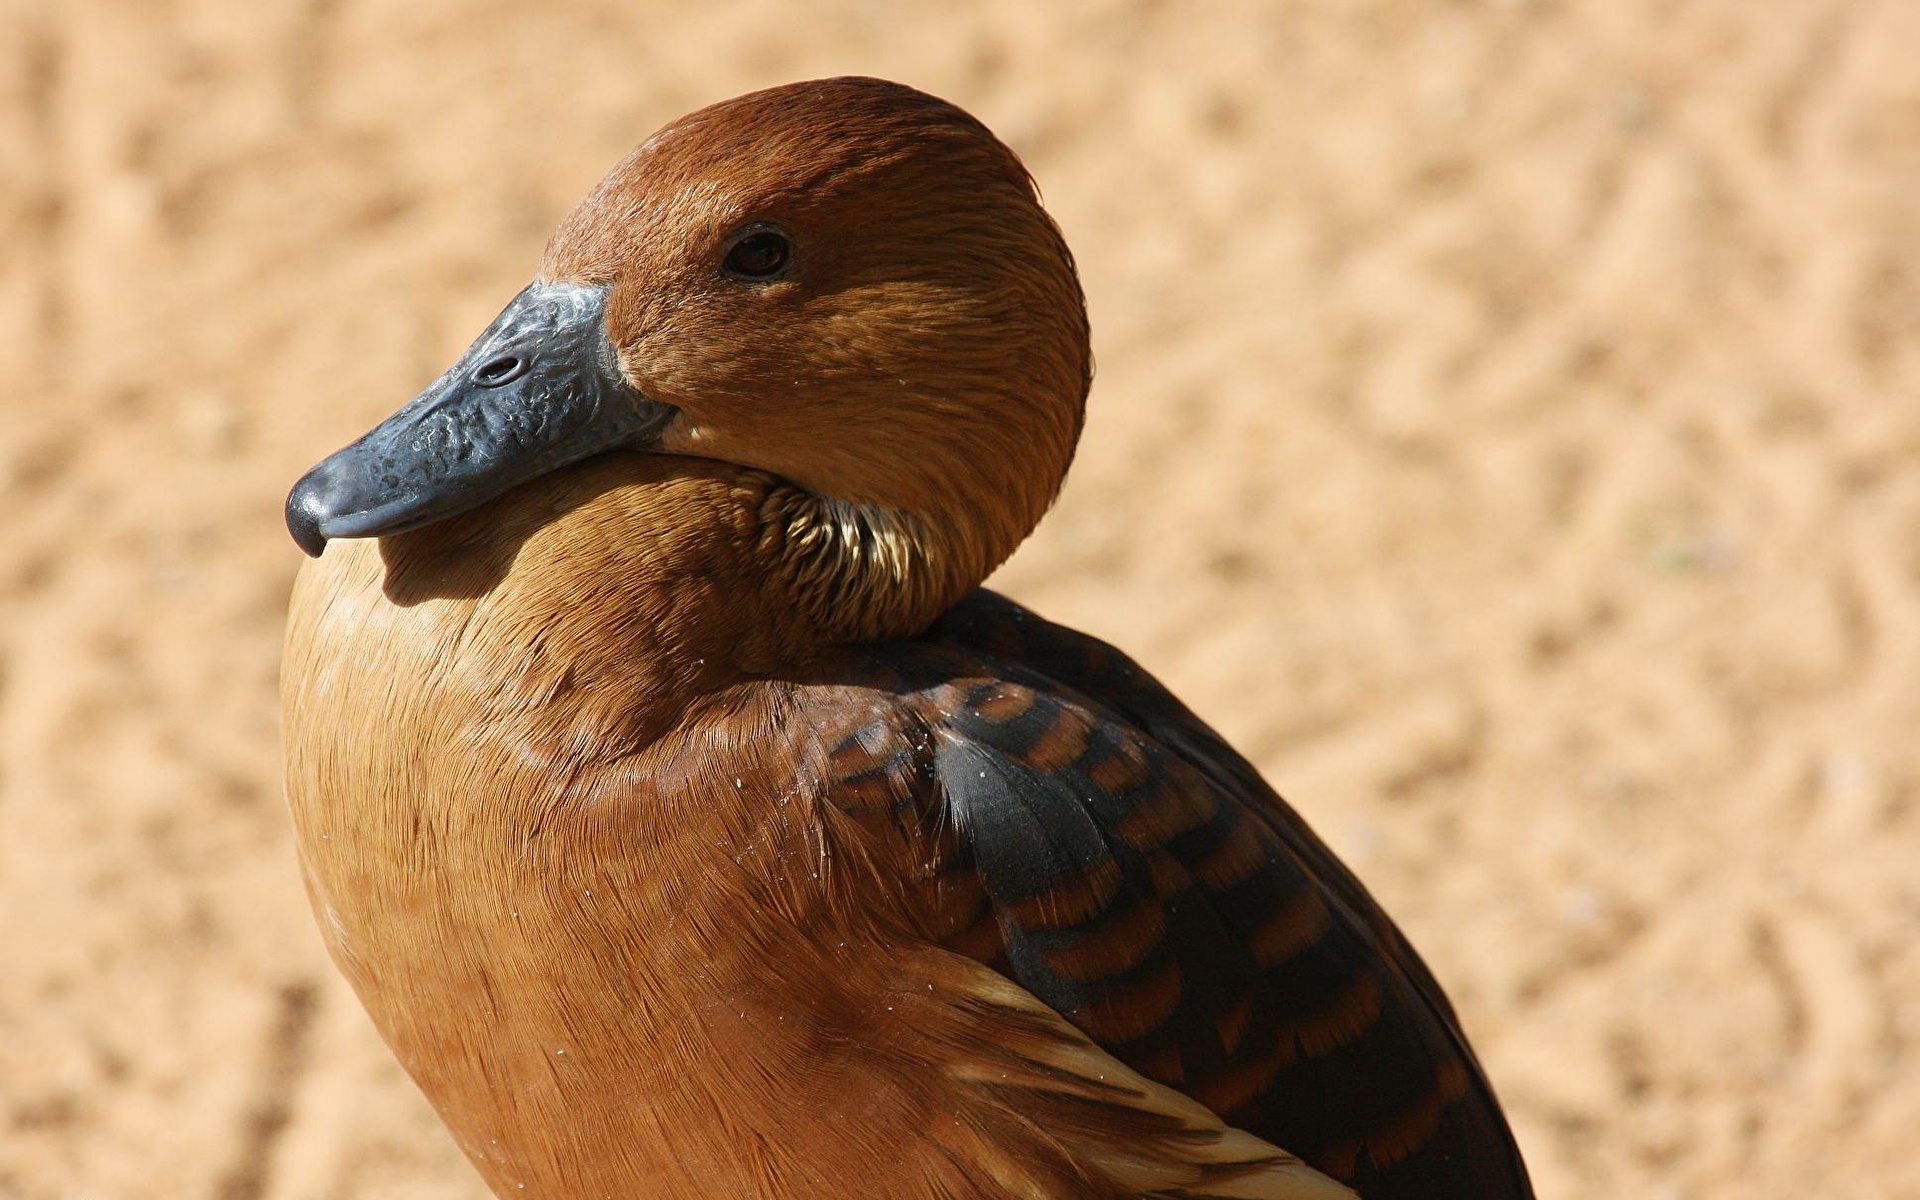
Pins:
<point x="303" y="521"/>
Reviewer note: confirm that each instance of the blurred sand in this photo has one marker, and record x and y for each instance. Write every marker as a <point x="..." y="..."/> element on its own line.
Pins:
<point x="1507" y="431"/>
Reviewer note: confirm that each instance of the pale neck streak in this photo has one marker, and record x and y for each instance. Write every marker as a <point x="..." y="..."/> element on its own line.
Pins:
<point x="867" y="573"/>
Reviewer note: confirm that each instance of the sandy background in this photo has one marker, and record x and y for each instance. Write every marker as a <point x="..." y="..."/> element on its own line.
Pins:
<point x="1507" y="431"/>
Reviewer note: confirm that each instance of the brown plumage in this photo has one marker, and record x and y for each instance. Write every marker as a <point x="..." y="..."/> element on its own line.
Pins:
<point x="691" y="826"/>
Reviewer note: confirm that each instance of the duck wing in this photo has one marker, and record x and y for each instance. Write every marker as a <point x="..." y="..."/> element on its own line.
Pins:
<point x="1061" y="817"/>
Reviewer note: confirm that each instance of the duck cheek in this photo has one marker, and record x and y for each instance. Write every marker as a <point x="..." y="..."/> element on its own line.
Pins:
<point x="539" y="390"/>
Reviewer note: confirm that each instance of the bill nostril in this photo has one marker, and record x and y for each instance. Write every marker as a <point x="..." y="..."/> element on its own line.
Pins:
<point x="502" y="370"/>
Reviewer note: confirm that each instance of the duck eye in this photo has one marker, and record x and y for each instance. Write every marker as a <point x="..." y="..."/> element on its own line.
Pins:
<point x="759" y="256"/>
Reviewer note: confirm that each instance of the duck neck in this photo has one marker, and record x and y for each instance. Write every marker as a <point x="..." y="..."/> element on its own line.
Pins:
<point x="865" y="572"/>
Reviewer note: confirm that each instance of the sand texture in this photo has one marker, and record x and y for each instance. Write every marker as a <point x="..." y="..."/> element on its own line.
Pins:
<point x="1507" y="432"/>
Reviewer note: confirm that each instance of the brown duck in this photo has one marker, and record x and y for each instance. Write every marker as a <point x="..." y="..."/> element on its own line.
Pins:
<point x="692" y="825"/>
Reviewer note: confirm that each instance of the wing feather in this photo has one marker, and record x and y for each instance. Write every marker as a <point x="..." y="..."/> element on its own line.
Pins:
<point x="1076" y="828"/>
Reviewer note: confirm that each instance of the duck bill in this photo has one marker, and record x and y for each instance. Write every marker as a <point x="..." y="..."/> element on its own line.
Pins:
<point x="539" y="390"/>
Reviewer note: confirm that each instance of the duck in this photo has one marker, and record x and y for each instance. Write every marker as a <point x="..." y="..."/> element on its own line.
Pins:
<point x="690" y="821"/>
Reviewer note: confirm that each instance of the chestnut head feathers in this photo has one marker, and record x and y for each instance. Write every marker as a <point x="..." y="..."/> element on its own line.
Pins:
<point x="923" y="347"/>
<point x="847" y="284"/>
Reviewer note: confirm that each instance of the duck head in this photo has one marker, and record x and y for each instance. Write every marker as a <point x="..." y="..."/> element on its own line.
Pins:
<point x="847" y="284"/>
